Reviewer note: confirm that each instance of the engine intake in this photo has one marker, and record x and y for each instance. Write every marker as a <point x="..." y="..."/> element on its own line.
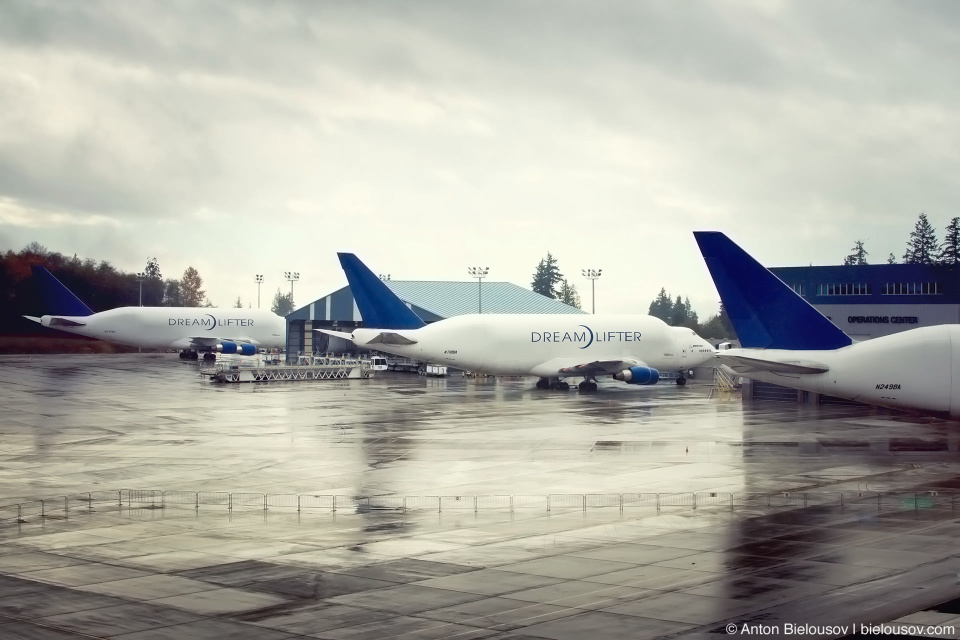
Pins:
<point x="638" y="375"/>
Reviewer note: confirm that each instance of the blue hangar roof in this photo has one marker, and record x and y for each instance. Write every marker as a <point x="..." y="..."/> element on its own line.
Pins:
<point x="436" y="300"/>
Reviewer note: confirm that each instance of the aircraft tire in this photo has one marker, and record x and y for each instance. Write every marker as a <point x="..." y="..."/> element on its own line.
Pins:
<point x="681" y="381"/>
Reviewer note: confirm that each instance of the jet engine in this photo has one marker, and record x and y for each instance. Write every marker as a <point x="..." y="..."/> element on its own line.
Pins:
<point x="243" y="349"/>
<point x="638" y="375"/>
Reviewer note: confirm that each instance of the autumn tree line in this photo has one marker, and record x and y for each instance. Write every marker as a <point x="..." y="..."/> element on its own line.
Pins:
<point x="99" y="285"/>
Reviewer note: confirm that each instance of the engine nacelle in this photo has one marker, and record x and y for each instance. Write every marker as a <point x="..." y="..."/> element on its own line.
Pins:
<point x="226" y="347"/>
<point x="638" y="375"/>
<point x="243" y="349"/>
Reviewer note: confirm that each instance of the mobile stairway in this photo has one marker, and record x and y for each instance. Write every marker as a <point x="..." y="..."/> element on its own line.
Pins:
<point x="306" y="368"/>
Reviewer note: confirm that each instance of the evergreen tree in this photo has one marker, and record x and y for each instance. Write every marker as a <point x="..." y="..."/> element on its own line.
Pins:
<point x="547" y="277"/>
<point x="950" y="251"/>
<point x="238" y="304"/>
<point x="190" y="291"/>
<point x="662" y="306"/>
<point x="171" y="294"/>
<point x="153" y="287"/>
<point x="569" y="295"/>
<point x="922" y="248"/>
<point x="891" y="259"/>
<point x="282" y="303"/>
<point x="858" y="255"/>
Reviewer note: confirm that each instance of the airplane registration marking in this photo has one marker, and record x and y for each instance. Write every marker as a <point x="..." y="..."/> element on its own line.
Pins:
<point x="888" y="386"/>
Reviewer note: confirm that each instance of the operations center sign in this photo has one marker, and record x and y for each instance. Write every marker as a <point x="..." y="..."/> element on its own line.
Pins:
<point x="882" y="319"/>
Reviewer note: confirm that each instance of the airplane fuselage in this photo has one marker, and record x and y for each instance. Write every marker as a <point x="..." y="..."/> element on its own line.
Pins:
<point x="174" y="327"/>
<point x="540" y="345"/>
<point x="917" y="369"/>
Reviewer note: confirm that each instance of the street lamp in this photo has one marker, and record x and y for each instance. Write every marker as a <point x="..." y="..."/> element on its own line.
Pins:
<point x="141" y="276"/>
<point x="259" y="279"/>
<point x="592" y="275"/>
<point x="292" y="276"/>
<point x="384" y="277"/>
<point x="479" y="273"/>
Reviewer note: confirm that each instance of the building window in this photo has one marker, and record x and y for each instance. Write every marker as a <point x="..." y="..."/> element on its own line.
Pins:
<point x="846" y="289"/>
<point x="911" y="288"/>
<point x="798" y="288"/>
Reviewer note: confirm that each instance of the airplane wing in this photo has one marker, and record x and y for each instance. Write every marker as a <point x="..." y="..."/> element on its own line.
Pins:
<point x="745" y="365"/>
<point x="571" y="367"/>
<point x="206" y="342"/>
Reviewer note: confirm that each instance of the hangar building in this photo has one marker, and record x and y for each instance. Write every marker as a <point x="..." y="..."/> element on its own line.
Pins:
<point x="431" y="300"/>
<point x="868" y="301"/>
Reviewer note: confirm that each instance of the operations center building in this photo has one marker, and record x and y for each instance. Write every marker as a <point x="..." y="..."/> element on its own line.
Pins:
<point x="869" y="301"/>
<point x="431" y="300"/>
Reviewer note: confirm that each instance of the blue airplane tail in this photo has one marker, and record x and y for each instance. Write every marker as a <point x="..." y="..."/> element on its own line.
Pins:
<point x="379" y="307"/>
<point x="57" y="298"/>
<point x="764" y="311"/>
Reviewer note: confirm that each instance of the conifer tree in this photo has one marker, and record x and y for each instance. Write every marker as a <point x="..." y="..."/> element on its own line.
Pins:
<point x="547" y="277"/>
<point x="950" y="251"/>
<point x="858" y="255"/>
<point x="922" y="248"/>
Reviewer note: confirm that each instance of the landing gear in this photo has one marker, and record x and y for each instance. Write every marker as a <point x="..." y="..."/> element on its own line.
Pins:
<point x="209" y="356"/>
<point x="552" y="383"/>
<point x="188" y="355"/>
<point x="681" y="380"/>
<point x="183" y="355"/>
<point x="586" y="386"/>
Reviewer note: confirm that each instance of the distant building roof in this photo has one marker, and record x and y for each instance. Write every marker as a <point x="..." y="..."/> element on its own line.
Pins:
<point x="436" y="300"/>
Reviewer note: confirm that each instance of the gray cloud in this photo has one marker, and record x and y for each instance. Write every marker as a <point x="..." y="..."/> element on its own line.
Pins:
<point x="495" y="129"/>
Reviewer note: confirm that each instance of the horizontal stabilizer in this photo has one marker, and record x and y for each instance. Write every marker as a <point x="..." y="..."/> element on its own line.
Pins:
<point x="65" y="322"/>
<point x="389" y="337"/>
<point x="764" y="311"/>
<point x="379" y="307"/>
<point x="744" y="365"/>
<point x="56" y="297"/>
<point x="336" y="334"/>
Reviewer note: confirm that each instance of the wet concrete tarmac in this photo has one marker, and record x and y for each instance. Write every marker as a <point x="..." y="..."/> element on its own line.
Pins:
<point x="74" y="424"/>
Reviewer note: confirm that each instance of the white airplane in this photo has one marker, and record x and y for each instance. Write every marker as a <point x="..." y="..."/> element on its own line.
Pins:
<point x="629" y="348"/>
<point x="188" y="329"/>
<point x="788" y="342"/>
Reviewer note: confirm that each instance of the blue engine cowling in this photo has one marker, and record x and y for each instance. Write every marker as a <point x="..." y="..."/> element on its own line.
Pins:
<point x="233" y="347"/>
<point x="638" y="375"/>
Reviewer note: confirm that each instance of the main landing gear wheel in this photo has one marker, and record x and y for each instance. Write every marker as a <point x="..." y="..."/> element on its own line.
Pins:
<point x="681" y="381"/>
<point x="560" y="385"/>
<point x="543" y="383"/>
<point x="192" y="355"/>
<point x="587" y="385"/>
<point x="209" y="356"/>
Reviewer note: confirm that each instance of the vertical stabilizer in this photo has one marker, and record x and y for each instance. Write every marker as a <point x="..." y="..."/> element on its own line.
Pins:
<point x="379" y="307"/>
<point x="765" y="312"/>
<point x="59" y="300"/>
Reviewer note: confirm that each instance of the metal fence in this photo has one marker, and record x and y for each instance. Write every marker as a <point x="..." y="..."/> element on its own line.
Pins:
<point x="81" y="503"/>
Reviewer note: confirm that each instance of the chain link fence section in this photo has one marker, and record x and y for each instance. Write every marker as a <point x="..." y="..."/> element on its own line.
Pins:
<point x="932" y="501"/>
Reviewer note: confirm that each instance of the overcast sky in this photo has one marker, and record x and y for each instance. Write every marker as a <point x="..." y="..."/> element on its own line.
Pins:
<point x="427" y="137"/>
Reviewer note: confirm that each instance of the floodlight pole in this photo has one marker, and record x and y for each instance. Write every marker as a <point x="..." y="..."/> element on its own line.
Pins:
<point x="292" y="276"/>
<point x="259" y="279"/>
<point x="479" y="273"/>
<point x="592" y="275"/>
<point x="140" y="277"/>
